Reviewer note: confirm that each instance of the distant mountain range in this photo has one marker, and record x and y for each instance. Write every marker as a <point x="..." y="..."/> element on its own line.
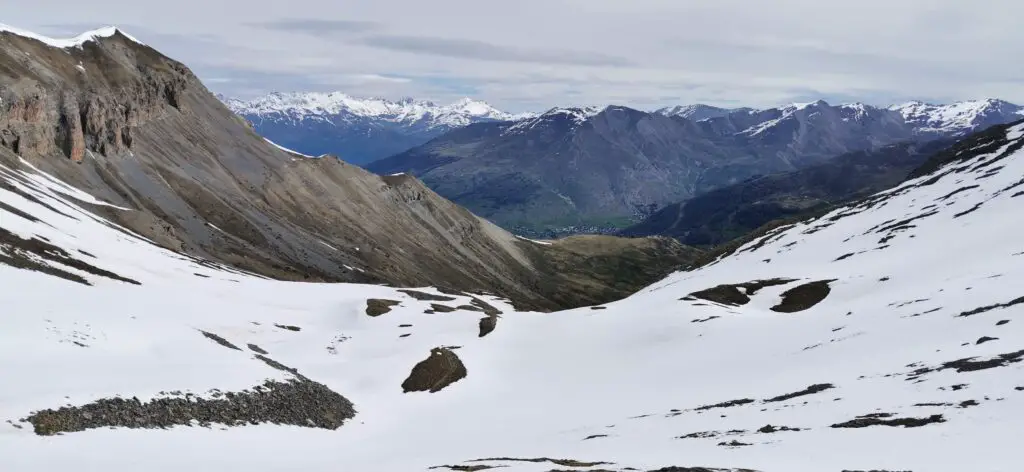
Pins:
<point x="591" y="169"/>
<point x="358" y="130"/>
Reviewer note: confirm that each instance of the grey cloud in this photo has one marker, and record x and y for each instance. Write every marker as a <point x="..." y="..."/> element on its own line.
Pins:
<point x="316" y="26"/>
<point x="480" y="50"/>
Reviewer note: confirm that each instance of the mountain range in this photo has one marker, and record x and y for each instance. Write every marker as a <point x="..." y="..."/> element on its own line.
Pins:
<point x="592" y="168"/>
<point x="115" y="118"/>
<point x="357" y="130"/>
<point x="180" y="294"/>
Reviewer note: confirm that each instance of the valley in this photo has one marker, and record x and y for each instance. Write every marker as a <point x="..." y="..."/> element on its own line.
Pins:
<point x="838" y="290"/>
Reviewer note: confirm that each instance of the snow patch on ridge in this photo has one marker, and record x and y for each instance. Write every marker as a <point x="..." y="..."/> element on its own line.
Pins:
<point x="67" y="43"/>
<point x="297" y="153"/>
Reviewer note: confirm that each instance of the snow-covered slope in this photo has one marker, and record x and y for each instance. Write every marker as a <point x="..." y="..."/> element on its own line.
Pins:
<point x="359" y="130"/>
<point x="884" y="335"/>
<point x="960" y="118"/>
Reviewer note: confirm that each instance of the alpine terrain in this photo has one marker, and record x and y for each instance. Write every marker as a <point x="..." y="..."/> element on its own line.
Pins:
<point x="357" y="130"/>
<point x="146" y="235"/>
<point x="585" y="170"/>
<point x="115" y="118"/>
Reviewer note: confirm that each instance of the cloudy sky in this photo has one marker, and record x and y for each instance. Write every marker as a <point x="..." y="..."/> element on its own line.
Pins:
<point x="533" y="54"/>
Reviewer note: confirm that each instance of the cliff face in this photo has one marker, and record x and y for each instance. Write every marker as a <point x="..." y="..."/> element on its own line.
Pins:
<point x="82" y="99"/>
<point x="119" y="120"/>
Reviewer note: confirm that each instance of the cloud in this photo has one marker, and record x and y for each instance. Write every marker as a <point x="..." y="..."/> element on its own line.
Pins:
<point x="318" y="26"/>
<point x="483" y="51"/>
<point x="535" y="54"/>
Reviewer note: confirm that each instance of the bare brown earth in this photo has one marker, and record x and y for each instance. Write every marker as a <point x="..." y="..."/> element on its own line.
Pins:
<point x="139" y="130"/>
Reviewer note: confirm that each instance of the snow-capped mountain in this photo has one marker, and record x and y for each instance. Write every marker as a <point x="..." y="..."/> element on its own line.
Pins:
<point x="698" y="111"/>
<point x="557" y="119"/>
<point x="924" y="119"/>
<point x="66" y="43"/>
<point x="359" y="130"/>
<point x="957" y="119"/>
<point x="884" y="335"/>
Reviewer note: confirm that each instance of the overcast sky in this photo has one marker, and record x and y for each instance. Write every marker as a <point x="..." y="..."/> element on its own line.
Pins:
<point x="533" y="54"/>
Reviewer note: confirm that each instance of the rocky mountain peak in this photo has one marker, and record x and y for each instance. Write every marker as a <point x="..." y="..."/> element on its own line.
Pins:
<point x="75" y="102"/>
<point x="67" y="43"/>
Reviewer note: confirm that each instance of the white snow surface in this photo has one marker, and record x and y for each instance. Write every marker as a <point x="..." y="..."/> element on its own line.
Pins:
<point x="574" y="115"/>
<point x="339" y="107"/>
<point x="956" y="118"/>
<point x="67" y="43"/>
<point x="630" y="376"/>
<point x="290" y="151"/>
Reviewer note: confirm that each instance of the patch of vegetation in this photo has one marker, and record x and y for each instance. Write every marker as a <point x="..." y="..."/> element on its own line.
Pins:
<point x="594" y="270"/>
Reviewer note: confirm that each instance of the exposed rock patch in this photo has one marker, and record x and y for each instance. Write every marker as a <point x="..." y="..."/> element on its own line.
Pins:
<point x="876" y="420"/>
<point x="728" y="404"/>
<point x="735" y="294"/>
<point x="379" y="306"/>
<point x="971" y="364"/>
<point x="288" y="327"/>
<point x="561" y="462"/>
<point x="438" y="308"/>
<point x="32" y="254"/>
<point x="423" y="296"/>
<point x="257" y="349"/>
<point x="465" y="468"/>
<point x="296" y="402"/>
<point x="220" y="340"/>
<point x="816" y="388"/>
<point x="997" y="306"/>
<point x="768" y="429"/>
<point x="436" y="372"/>
<point x="803" y="297"/>
<point x="487" y="325"/>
